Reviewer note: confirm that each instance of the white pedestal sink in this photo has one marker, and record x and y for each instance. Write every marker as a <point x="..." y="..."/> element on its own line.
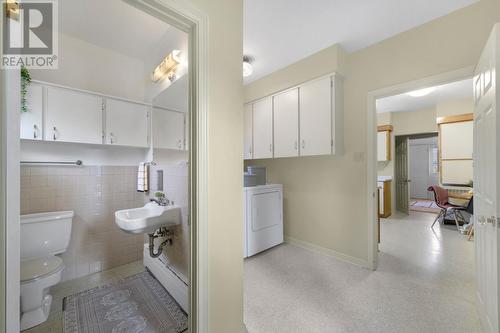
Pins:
<point x="148" y="219"/>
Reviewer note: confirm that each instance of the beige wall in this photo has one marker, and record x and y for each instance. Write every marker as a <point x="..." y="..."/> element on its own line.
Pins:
<point x="325" y="197"/>
<point x="461" y="106"/>
<point x="225" y="206"/>
<point x="414" y="122"/>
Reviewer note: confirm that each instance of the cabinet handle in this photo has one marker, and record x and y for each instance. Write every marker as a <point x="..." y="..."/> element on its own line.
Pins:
<point x="111" y="137"/>
<point x="35" y="131"/>
<point x="179" y="144"/>
<point x="54" y="132"/>
<point x="303" y="144"/>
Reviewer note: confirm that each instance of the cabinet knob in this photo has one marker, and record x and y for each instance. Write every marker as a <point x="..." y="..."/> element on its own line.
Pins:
<point x="54" y="133"/>
<point x="35" y="131"/>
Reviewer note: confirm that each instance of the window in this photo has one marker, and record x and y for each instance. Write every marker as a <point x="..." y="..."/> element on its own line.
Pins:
<point x="434" y="160"/>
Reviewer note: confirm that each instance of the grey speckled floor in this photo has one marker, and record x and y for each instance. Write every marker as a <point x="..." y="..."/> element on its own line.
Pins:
<point x="424" y="283"/>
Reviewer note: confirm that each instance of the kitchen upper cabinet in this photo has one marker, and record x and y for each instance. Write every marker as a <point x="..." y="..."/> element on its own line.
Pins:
<point x="31" y="120"/>
<point x="73" y="116"/>
<point x="384" y="143"/>
<point x="286" y="124"/>
<point x="316" y="117"/>
<point x="168" y="129"/>
<point x="247" y="132"/>
<point x="126" y="123"/>
<point x="263" y="128"/>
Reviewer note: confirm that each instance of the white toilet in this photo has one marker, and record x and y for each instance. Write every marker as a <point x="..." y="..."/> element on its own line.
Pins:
<point x="43" y="235"/>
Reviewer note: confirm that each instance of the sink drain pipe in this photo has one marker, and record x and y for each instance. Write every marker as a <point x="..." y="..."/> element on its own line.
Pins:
<point x="162" y="232"/>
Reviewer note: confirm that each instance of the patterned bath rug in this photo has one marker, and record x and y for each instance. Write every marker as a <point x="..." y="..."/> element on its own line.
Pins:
<point x="137" y="304"/>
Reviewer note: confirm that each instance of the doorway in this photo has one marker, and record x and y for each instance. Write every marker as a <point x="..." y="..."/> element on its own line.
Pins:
<point x="416" y="169"/>
<point x="194" y="24"/>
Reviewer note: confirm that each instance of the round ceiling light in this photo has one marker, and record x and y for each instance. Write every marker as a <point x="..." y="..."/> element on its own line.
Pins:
<point x="421" y="92"/>
<point x="247" y="66"/>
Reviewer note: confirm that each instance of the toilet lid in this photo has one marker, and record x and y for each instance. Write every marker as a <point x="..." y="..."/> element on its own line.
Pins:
<point x="35" y="268"/>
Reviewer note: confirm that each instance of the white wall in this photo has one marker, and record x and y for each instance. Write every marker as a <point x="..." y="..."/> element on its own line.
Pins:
<point x="87" y="66"/>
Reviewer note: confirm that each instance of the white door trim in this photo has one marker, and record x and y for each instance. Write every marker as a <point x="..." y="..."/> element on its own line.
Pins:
<point x="371" y="155"/>
<point x="184" y="16"/>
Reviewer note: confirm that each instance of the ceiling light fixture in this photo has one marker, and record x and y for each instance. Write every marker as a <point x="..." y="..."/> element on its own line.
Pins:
<point x="247" y="66"/>
<point x="167" y="67"/>
<point x="421" y="92"/>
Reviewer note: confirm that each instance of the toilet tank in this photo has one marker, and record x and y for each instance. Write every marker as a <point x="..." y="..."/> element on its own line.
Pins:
<point x="45" y="233"/>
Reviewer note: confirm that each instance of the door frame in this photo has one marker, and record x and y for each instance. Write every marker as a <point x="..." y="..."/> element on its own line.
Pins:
<point x="194" y="22"/>
<point x="371" y="143"/>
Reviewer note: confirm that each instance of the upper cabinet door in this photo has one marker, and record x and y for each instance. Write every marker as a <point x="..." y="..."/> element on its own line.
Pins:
<point x="263" y="128"/>
<point x="316" y="117"/>
<point x="382" y="146"/>
<point x="286" y="124"/>
<point x="31" y="120"/>
<point x="73" y="116"/>
<point x="247" y="132"/>
<point x="168" y="129"/>
<point x="126" y="123"/>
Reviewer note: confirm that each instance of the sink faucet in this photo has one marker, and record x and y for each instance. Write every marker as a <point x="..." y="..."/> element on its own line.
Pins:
<point x="162" y="201"/>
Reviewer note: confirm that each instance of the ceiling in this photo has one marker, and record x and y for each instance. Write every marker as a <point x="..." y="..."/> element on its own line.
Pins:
<point x="444" y="93"/>
<point x="132" y="32"/>
<point x="278" y="33"/>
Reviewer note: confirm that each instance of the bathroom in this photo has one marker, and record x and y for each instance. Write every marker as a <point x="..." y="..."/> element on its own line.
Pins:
<point x="102" y="135"/>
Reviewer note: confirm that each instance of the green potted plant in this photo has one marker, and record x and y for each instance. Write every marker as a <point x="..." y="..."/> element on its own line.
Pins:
<point x="25" y="81"/>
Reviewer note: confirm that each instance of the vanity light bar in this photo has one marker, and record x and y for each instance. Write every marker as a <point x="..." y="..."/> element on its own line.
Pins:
<point x="167" y="67"/>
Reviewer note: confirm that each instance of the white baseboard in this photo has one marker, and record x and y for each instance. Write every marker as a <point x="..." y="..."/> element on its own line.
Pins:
<point x="175" y="286"/>
<point x="328" y="252"/>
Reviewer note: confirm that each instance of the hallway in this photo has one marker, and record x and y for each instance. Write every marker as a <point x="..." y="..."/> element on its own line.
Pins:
<point x="424" y="283"/>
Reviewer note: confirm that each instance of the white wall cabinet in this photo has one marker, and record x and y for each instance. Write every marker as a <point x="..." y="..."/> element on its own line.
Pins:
<point x="31" y="120"/>
<point x="168" y="129"/>
<point x="73" y="116"/>
<point x="384" y="143"/>
<point x="263" y="128"/>
<point x="247" y="132"/>
<point x="286" y="123"/>
<point x="126" y="123"/>
<point x="316" y="118"/>
<point x="302" y="121"/>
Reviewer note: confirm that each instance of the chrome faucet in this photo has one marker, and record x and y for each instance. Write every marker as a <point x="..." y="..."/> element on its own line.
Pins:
<point x="162" y="201"/>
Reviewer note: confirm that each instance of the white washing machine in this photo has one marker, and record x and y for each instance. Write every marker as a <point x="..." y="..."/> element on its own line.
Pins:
<point x="263" y="218"/>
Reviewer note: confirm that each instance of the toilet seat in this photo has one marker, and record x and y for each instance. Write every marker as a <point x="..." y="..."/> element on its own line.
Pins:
<point x="37" y="268"/>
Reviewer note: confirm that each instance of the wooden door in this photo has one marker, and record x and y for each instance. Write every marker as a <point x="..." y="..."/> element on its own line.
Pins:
<point x="486" y="181"/>
<point x="73" y="116"/>
<point x="286" y="124"/>
<point x="316" y="117"/>
<point x="263" y="128"/>
<point x="402" y="175"/>
<point x="126" y="123"/>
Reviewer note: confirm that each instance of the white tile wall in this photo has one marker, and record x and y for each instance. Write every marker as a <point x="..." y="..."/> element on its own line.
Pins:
<point x="94" y="193"/>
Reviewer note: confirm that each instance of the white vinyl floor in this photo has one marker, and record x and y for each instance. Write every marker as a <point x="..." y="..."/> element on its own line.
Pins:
<point x="424" y="283"/>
